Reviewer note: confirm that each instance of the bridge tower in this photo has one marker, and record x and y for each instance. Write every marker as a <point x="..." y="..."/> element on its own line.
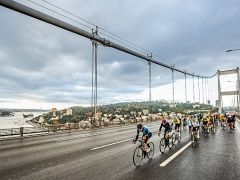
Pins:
<point x="227" y="93"/>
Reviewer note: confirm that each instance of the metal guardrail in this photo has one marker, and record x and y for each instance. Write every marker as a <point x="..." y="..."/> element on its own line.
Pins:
<point x="41" y="129"/>
<point x="46" y="128"/>
<point x="21" y="131"/>
<point x="9" y="132"/>
<point x="29" y="130"/>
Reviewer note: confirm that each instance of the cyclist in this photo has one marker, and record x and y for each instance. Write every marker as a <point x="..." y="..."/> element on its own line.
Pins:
<point x="211" y="124"/>
<point x="205" y="121"/>
<point x="234" y="120"/>
<point x="168" y="129"/>
<point x="189" y="124"/>
<point x="230" y="121"/>
<point x="223" y="121"/>
<point x="195" y="130"/>
<point x="177" y="122"/>
<point x="147" y="134"/>
<point x="184" y="122"/>
<point x="197" y="119"/>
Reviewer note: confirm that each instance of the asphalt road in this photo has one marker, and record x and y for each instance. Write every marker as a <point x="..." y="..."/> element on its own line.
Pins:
<point x="107" y="154"/>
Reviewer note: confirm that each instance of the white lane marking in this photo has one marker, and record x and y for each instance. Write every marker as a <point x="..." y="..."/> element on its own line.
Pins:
<point x="175" y="155"/>
<point x="111" y="144"/>
<point x="74" y="137"/>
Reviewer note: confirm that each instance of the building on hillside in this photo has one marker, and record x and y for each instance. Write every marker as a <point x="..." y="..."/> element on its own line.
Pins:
<point x="118" y="110"/>
<point x="41" y="120"/>
<point x="54" y="110"/>
<point x="172" y="105"/>
<point x="69" y="111"/>
<point x="98" y="114"/>
<point x="196" y="106"/>
<point x="55" y="121"/>
<point x="133" y="113"/>
<point x="145" y="112"/>
<point x="63" y="111"/>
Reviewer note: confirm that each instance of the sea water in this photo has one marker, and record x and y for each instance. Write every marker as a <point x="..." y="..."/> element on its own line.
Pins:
<point x="17" y="120"/>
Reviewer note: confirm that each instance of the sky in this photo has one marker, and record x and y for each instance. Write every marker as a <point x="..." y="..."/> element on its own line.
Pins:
<point x="43" y="66"/>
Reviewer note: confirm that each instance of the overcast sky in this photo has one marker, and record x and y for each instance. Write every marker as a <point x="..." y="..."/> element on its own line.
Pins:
<point x="43" y="66"/>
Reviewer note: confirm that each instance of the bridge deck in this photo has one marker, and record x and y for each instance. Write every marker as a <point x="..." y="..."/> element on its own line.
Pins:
<point x="107" y="154"/>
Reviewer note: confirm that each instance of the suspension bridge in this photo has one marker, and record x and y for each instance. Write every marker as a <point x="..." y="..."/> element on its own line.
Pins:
<point x="107" y="153"/>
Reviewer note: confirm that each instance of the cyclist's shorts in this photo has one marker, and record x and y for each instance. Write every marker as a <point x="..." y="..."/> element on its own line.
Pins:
<point x="168" y="131"/>
<point x="205" y="123"/>
<point x="177" y="126"/>
<point x="149" y="135"/>
<point x="195" y="129"/>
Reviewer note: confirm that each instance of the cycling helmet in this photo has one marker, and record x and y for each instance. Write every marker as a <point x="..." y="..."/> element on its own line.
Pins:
<point x="140" y="125"/>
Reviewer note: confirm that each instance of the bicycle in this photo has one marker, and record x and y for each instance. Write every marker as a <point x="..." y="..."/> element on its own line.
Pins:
<point x="166" y="142"/>
<point x="140" y="152"/>
<point x="205" y="130"/>
<point x="177" y="136"/>
<point x="212" y="129"/>
<point x="231" y="126"/>
<point x="223" y="124"/>
<point x="194" y="138"/>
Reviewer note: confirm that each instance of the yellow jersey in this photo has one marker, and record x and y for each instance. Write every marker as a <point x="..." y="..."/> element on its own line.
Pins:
<point x="176" y="121"/>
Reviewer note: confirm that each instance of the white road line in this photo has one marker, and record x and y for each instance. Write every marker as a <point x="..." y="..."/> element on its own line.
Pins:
<point x="175" y="155"/>
<point x="111" y="144"/>
<point x="236" y="125"/>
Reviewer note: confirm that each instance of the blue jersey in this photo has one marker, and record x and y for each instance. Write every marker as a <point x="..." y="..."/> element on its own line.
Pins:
<point x="145" y="130"/>
<point x="198" y="124"/>
<point x="189" y="122"/>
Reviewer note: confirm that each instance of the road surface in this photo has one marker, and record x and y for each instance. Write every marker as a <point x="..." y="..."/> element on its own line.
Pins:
<point x="107" y="154"/>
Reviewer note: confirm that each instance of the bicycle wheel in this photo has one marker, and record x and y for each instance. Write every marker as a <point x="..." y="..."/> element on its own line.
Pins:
<point x="193" y="143"/>
<point x="151" y="152"/>
<point x="205" y="132"/>
<point x="193" y="140"/>
<point x="162" y="145"/>
<point x="175" y="138"/>
<point x="179" y="137"/>
<point x="212" y="131"/>
<point x="171" y="140"/>
<point x="137" y="156"/>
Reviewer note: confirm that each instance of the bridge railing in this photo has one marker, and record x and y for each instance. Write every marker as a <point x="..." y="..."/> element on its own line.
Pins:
<point x="22" y="130"/>
<point x="47" y="128"/>
<point x="9" y="132"/>
<point x="37" y="129"/>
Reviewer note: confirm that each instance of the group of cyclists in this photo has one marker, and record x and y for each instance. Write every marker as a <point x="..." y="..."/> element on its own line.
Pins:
<point x="204" y="121"/>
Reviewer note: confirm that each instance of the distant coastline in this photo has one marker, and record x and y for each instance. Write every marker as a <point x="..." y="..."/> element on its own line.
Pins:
<point x="24" y="110"/>
<point x="6" y="113"/>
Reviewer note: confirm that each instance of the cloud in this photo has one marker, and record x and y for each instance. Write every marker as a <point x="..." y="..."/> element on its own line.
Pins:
<point x="45" y="64"/>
